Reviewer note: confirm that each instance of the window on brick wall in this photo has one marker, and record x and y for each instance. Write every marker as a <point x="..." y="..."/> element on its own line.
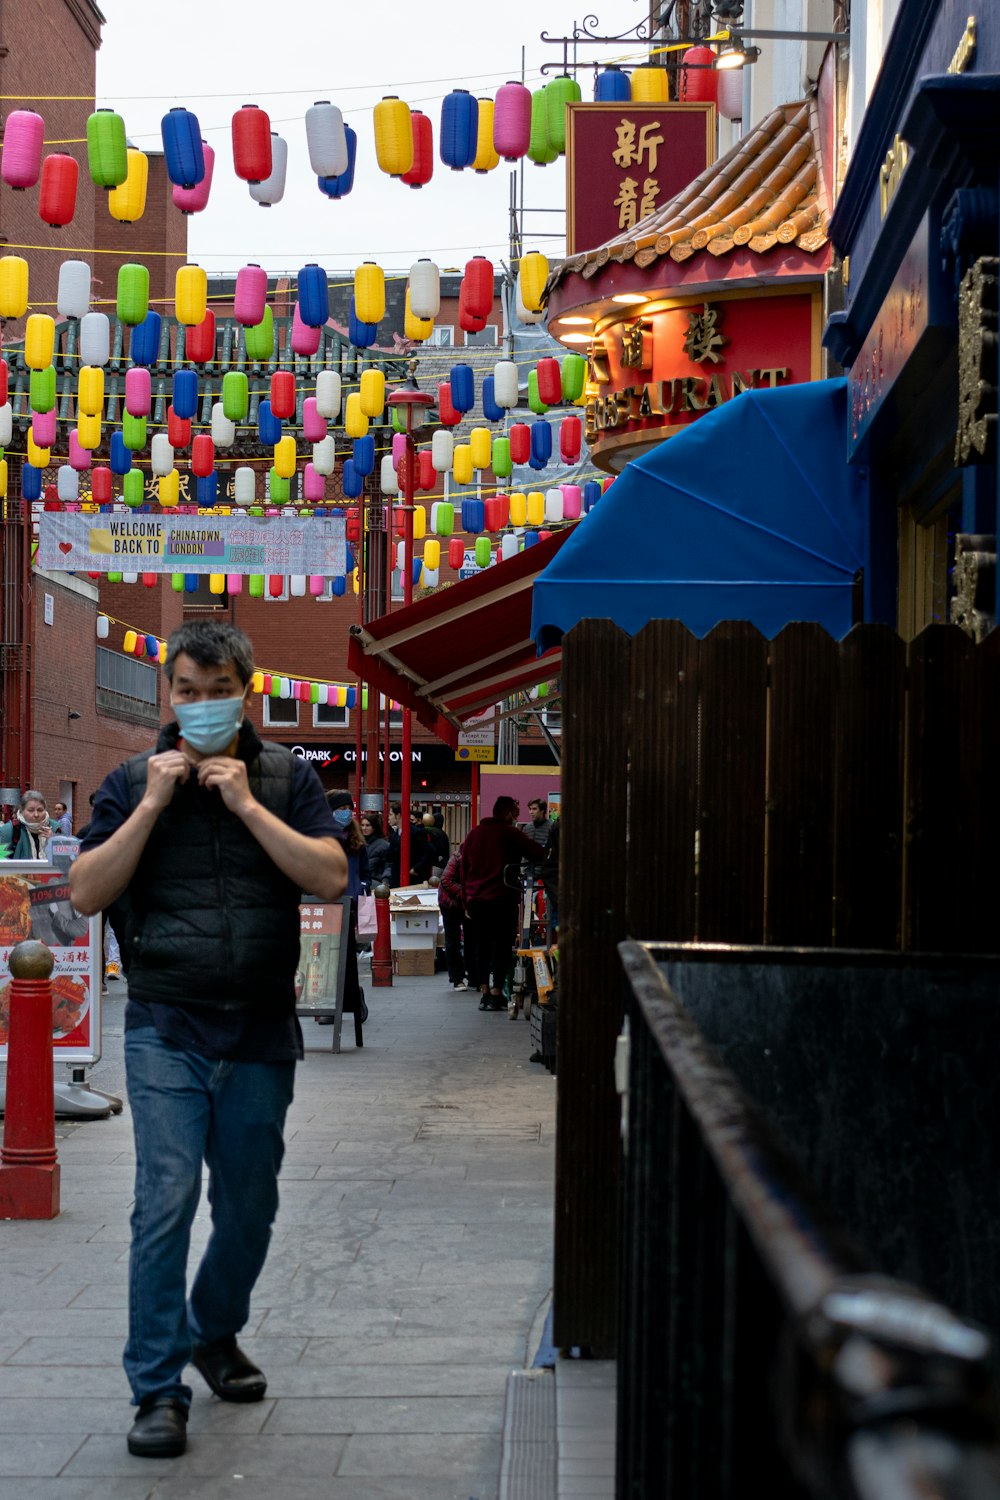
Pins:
<point x="281" y="710"/>
<point x="126" y="688"/>
<point x="326" y="714"/>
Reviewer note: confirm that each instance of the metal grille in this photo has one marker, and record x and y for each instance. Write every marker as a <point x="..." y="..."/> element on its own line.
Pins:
<point x="130" y="678"/>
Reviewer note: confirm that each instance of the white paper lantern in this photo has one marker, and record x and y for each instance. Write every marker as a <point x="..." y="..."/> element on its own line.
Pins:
<point x="432" y="520"/>
<point x="272" y="189"/>
<point x="554" y="505"/>
<point x="130" y="578"/>
<point x="388" y="481"/>
<point x="245" y="487"/>
<point x="730" y="98"/>
<point x="73" y="295"/>
<point x="95" y="339"/>
<point x="328" y="393"/>
<point x="103" y="627"/>
<point x="327" y="139"/>
<point x="297" y="585"/>
<point x="509" y="546"/>
<point x="401" y="555"/>
<point x="430" y="578"/>
<point x="522" y="312"/>
<point x="443" y="451"/>
<point x="223" y="430"/>
<point x="324" y="456"/>
<point x="6" y="424"/>
<point x="425" y="289"/>
<point x="161" y="454"/>
<point x="67" y="483"/>
<point x="285" y="690"/>
<point x="505" y="383"/>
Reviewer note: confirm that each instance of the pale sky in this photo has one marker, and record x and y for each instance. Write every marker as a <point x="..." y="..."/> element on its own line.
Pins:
<point x="213" y="58"/>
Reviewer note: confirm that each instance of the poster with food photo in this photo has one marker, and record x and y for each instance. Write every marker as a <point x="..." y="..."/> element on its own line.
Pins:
<point x="35" y="903"/>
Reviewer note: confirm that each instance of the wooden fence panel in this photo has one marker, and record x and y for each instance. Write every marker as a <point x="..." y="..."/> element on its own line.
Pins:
<point x="663" y="788"/>
<point x="732" y="784"/>
<point x="800" y="801"/>
<point x="867" y="880"/>
<point x="592" y="921"/>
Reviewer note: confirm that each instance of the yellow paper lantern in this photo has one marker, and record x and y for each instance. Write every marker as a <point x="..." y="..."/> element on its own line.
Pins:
<point x="342" y="695"/>
<point x="533" y="273"/>
<point x="128" y="644"/>
<point x="217" y="585"/>
<point x="162" y="653"/>
<point x="414" y="328"/>
<point x="13" y="286"/>
<point x="419" y="522"/>
<point x="369" y="293"/>
<point x="257" y="680"/>
<point x="481" y="447"/>
<point x="284" y="456"/>
<point x="39" y="341"/>
<point x="90" y="390"/>
<point x="127" y="201"/>
<point x="372" y="392"/>
<point x="432" y="553"/>
<point x="191" y="295"/>
<point x="355" y="421"/>
<point x="170" y="488"/>
<point x="462" y="464"/>
<point x="649" y="85"/>
<point x="37" y="457"/>
<point x="393" y="143"/>
<point x="88" y="431"/>
<point x="518" y="508"/>
<point x="487" y="156"/>
<point x="536" y="508"/>
<point x="3" y="478"/>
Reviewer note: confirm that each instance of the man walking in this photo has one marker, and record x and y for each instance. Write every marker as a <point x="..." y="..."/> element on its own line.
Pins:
<point x="212" y="837"/>
<point x="491" y="862"/>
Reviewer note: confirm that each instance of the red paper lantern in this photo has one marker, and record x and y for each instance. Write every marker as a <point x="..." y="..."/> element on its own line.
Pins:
<point x="200" y="340"/>
<point x="570" y="439"/>
<point x="57" y="194"/>
<point x="202" y="455"/>
<point x="3" y="382"/>
<point x="275" y="585"/>
<point x="399" y="516"/>
<point x="446" y="409"/>
<point x="150" y="580"/>
<point x="426" y="473"/>
<point x="468" y="321"/>
<point x="478" y="284"/>
<point x="456" y="552"/>
<point x="606" y="485"/>
<point x="497" y="513"/>
<point x="252" y="144"/>
<point x="402" y="471"/>
<point x="265" y="686"/>
<point x="353" y="526"/>
<point x="549" y="382"/>
<point x="520" y="443"/>
<point x="699" y="84"/>
<point x="100" y="486"/>
<point x="283" y="394"/>
<point x="423" y="151"/>
<point x="178" y="429"/>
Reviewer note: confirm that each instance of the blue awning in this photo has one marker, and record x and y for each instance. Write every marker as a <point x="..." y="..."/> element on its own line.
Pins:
<point x="752" y="513"/>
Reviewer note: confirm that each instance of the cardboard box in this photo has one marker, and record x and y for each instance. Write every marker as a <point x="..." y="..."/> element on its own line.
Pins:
<point x="412" y="962"/>
<point x="414" y="922"/>
<point x="413" y="940"/>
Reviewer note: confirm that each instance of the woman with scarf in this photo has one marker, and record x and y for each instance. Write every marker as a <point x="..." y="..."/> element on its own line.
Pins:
<point x="27" y="835"/>
<point x="358" y="883"/>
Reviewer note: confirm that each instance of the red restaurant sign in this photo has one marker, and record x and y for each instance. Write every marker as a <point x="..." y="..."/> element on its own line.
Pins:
<point x="625" y="161"/>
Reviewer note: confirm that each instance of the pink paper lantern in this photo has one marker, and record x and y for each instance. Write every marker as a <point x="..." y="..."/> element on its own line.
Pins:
<point x="313" y="425"/>
<point x="251" y="295"/>
<point x="317" y="585"/>
<point x="305" y="340"/>
<point x="79" y="457"/>
<point x="572" y="502"/>
<point x="512" y="121"/>
<point x="234" y="583"/>
<point x="193" y="200"/>
<point x="43" y="427"/>
<point x="23" y="137"/>
<point x="398" y="448"/>
<point x="313" y="484"/>
<point x="138" y="391"/>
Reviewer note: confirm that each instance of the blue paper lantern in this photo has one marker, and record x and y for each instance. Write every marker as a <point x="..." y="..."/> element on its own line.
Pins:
<point x="417" y="565"/>
<point x="353" y="482"/>
<point x="184" y="394"/>
<point x="191" y="581"/>
<point x="463" y="388"/>
<point x="31" y="482"/>
<point x="268" y="425"/>
<point x="541" y="444"/>
<point x="145" y="346"/>
<point x="614" y="86"/>
<point x="121" y="457"/>
<point x="530" y="539"/>
<point x="459" y="129"/>
<point x="364" y="454"/>
<point x="339" y="187"/>
<point x="350" y="562"/>
<point x="207" y="489"/>
<point x="361" y="335"/>
<point x="592" y="492"/>
<point x="314" y="296"/>
<point x="152" y="647"/>
<point x="338" y="587"/>
<point x="491" y="411"/>
<point x="182" y="148"/>
<point x="352" y="697"/>
<point x="473" y="515"/>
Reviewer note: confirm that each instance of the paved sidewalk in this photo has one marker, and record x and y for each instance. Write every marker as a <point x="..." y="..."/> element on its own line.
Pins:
<point x="408" y="1276"/>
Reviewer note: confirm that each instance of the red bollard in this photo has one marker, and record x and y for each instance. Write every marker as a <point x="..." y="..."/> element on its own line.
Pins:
<point x="382" y="946"/>
<point x="29" y="1170"/>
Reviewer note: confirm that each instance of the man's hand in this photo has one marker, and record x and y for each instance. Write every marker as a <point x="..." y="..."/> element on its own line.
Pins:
<point x="163" y="773"/>
<point x="229" y="777"/>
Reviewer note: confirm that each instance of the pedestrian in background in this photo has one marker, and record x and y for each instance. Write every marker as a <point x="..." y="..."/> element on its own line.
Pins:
<point x="27" y="834"/>
<point x="379" y="850"/>
<point x="62" y="820"/>
<point x="452" y="918"/>
<point x="491" y="866"/>
<point x="359" y="883"/>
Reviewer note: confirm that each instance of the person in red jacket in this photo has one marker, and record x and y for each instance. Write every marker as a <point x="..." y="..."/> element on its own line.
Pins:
<point x="491" y="861"/>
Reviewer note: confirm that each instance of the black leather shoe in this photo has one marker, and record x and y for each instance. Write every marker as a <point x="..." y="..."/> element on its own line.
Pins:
<point x="228" y="1372"/>
<point x="160" y="1429"/>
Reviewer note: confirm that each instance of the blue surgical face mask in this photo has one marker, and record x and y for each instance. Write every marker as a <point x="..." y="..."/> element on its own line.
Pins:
<point x="211" y="725"/>
<point x="343" y="816"/>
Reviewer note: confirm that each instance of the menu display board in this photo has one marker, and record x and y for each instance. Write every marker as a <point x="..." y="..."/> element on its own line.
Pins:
<point x="35" y="904"/>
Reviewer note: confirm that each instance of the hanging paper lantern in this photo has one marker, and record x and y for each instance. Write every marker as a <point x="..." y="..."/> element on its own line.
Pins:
<point x="133" y="433"/>
<point x="169" y="492"/>
<point x="184" y="394"/>
<point x="649" y="84"/>
<point x="103" y="627"/>
<point x="284" y="457"/>
<point x="256" y="591"/>
<point x="369" y="292"/>
<point x="282" y="394"/>
<point x="272" y="189"/>
<point x="559" y="92"/>
<point x="532" y="275"/>
<point x="314" y="296"/>
<point x="572" y="501"/>
<point x="4" y="382"/>
<point x="328" y="391"/>
<point x="161" y="454"/>
<point x="129" y="643"/>
<point x="100" y="486"/>
<point x="486" y="157"/>
<point x="236" y="395"/>
<point x="491" y="411"/>
<point x="305" y="338"/>
<point x="313" y="425"/>
<point x="535" y="508"/>
<point x="535" y="402"/>
<point x="500" y="461"/>
<point x="326" y="139"/>
<point x="729" y="101"/>
<point x="278" y="489"/>
<point x="31" y="482"/>
<point x="324" y="456"/>
<point x="121" y="448"/>
<point x="199" y="344"/>
<point x="393" y="136"/>
<point x="388" y="482"/>
<point x="268" y="425"/>
<point x="182" y="148"/>
<point x="463" y="388"/>
<point x="540" y="149"/>
<point x="193" y="200"/>
<point x="361" y="335"/>
<point x="446" y="407"/>
<point x="355" y="421"/>
<point x="591" y="495"/>
<point x="481" y="447"/>
<point x="699" y="81"/>
<point x="456" y="552"/>
<point x="541" y="444"/>
<point x="90" y="390"/>
<point x="6" y="424"/>
<point x="512" y="120"/>
<point x="432" y="553"/>
<point x="510" y="546"/>
<point x="89" y="431"/>
<point x="549" y="382"/>
<point x="313" y="484"/>
<point x="372" y="392"/>
<point x="107" y="150"/>
<point x="422" y="169"/>
<point x="521" y="312"/>
<point x="244" y="486"/>
<point x="520" y="442"/>
<point x="444" y="518"/>
<point x="425" y="289"/>
<point x="478" y="283"/>
<point x="352" y="481"/>
<point x="484" y="552"/>
<point x="554" y="506"/>
<point x="497" y="511"/>
<point x="442" y="451"/>
<point x="459" y="129"/>
<point x="505" y="384"/>
<point x="203" y="455"/>
<point x="190" y="295"/>
<point x="340" y="185"/>
<point x="613" y="86"/>
<point x="57" y="194"/>
<point x="39" y="341"/>
<point x="37" y="457"/>
<point x="574" y="376"/>
<point x="462" y="464"/>
<point x="13" y="286"/>
<point x="132" y="302"/>
<point x="23" y="137"/>
<point x="570" y="439"/>
<point x="43" y="428"/>
<point x="127" y="202"/>
<point x="363" y="455"/>
<point x="251" y="295"/>
<point x="260" y="339"/>
<point x="144" y="347"/>
<point x="78" y="457"/>
<point x="252" y="144"/>
<point x="73" y="292"/>
<point x="417" y="330"/>
<point x="427" y="474"/>
<point x="95" y="339"/>
<point x="223" y="430"/>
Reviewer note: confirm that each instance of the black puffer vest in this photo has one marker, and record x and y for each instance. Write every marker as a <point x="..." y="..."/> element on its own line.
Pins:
<point x="212" y="920"/>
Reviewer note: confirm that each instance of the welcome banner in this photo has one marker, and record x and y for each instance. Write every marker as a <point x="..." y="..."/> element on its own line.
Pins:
<point x="70" y="541"/>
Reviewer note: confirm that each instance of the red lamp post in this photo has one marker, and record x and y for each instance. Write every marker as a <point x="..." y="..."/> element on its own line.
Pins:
<point x="407" y="398"/>
<point x="29" y="1168"/>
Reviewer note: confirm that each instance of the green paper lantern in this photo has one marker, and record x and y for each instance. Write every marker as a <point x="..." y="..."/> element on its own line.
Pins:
<point x="444" y="518"/>
<point x="176" y="579"/>
<point x="540" y="149"/>
<point x="559" y="92"/>
<point x="133" y="294"/>
<point x="275" y="679"/>
<point x="132" y="488"/>
<point x="133" y="432"/>
<point x="543" y="690"/>
<point x="235" y="395"/>
<point x="534" y="400"/>
<point x="260" y="339"/>
<point x="484" y="551"/>
<point x="257" y="592"/>
<point x="114" y="578"/>
<point x="574" y="374"/>
<point x="364" y="697"/>
<point x="42" y="389"/>
<point x="107" y="150"/>
<point x="398" y="420"/>
<point x="314" y="692"/>
<point x="279" y="490"/>
<point x="501" y="464"/>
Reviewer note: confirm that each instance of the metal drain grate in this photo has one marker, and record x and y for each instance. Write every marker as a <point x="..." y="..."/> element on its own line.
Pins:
<point x="478" y="1130"/>
<point x="529" y="1468"/>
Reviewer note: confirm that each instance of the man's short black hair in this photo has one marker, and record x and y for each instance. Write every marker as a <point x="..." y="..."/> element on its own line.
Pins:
<point x="211" y="643"/>
<point x="504" y="805"/>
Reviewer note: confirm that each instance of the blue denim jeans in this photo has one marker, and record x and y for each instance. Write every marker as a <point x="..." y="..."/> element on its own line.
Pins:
<point x="187" y="1110"/>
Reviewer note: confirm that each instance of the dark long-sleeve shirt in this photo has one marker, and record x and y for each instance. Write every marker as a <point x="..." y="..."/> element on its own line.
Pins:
<point x="488" y="849"/>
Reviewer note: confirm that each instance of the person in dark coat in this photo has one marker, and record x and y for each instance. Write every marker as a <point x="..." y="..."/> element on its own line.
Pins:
<point x="491" y="863"/>
<point x="358" y="883"/>
<point x="452" y="919"/>
<point x="379" y="848"/>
